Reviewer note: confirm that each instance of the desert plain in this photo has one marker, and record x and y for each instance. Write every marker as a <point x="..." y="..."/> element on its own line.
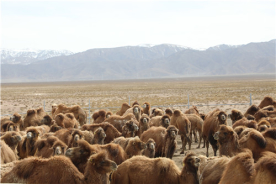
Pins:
<point x="203" y="92"/>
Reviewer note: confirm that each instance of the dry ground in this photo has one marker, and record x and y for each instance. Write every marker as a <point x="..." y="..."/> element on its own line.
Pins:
<point x="167" y="92"/>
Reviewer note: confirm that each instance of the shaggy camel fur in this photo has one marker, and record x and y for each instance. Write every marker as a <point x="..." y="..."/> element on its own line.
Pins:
<point x="211" y="171"/>
<point x="254" y="141"/>
<point x="26" y="147"/>
<point x="49" y="147"/>
<point x="76" y="136"/>
<point x="60" y="169"/>
<point x="267" y="101"/>
<point x="9" y="126"/>
<point x="265" y="169"/>
<point x="251" y="110"/>
<point x="263" y="114"/>
<point x="130" y="129"/>
<point x="119" y="121"/>
<point x="141" y="169"/>
<point x="175" y="115"/>
<point x="169" y="112"/>
<point x="149" y="151"/>
<point x="192" y="110"/>
<point x="76" y="110"/>
<point x="17" y="119"/>
<point x="269" y="108"/>
<point x="40" y="113"/>
<point x="110" y="131"/>
<point x="146" y="108"/>
<point x="55" y="128"/>
<point x="136" y="110"/>
<point x="270" y="137"/>
<point x="80" y="154"/>
<point x="227" y="140"/>
<point x="240" y="169"/>
<point x="99" y="116"/>
<point x="196" y="126"/>
<point x="184" y="126"/>
<point x="47" y="120"/>
<point x="263" y="125"/>
<point x="246" y="122"/>
<point x="66" y="120"/>
<point x="156" y="112"/>
<point x="65" y="136"/>
<point x="31" y="119"/>
<point x="132" y="146"/>
<point x="239" y="130"/>
<point x="123" y="109"/>
<point x="143" y="124"/>
<point x="163" y="121"/>
<point x="7" y="155"/>
<point x="211" y="125"/>
<point x="54" y="108"/>
<point x="99" y="136"/>
<point x="12" y="139"/>
<point x="272" y="121"/>
<point x="164" y="139"/>
<point x="235" y="115"/>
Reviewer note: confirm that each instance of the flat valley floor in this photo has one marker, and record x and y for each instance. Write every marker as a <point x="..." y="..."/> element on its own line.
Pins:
<point x="204" y="92"/>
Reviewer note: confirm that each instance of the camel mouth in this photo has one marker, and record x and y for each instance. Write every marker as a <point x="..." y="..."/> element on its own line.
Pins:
<point x="114" y="166"/>
<point x="223" y="117"/>
<point x="107" y="116"/>
<point x="135" y="110"/>
<point x="58" y="151"/>
<point x="69" y="152"/>
<point x="11" y="129"/>
<point x="136" y="128"/>
<point x="151" y="146"/>
<point x="29" y="135"/>
<point x="173" y="134"/>
<point x="216" y="136"/>
<point x="18" y="138"/>
<point x="144" y="106"/>
<point x="145" y="120"/>
<point x="103" y="135"/>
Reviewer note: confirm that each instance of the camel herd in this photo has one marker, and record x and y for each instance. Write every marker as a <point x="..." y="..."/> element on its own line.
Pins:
<point x="137" y="144"/>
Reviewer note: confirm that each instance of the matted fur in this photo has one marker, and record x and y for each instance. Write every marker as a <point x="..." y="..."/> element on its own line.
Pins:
<point x="156" y="112"/>
<point x="99" y="136"/>
<point x="192" y="110"/>
<point x="163" y="121"/>
<point x="47" y="120"/>
<point x="31" y="119"/>
<point x="12" y="139"/>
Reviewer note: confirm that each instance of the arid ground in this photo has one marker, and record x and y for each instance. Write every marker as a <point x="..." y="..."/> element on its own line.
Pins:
<point x="163" y="93"/>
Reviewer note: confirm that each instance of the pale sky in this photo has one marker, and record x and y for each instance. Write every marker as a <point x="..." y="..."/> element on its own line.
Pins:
<point x="82" y="25"/>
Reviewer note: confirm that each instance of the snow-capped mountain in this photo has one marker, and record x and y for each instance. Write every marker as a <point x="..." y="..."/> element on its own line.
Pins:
<point x="223" y="47"/>
<point x="27" y="56"/>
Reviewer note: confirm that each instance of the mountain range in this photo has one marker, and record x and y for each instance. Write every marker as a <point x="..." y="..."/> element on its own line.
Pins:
<point x="142" y="62"/>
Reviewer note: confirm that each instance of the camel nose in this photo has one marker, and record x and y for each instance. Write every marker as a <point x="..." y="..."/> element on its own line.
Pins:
<point x="68" y="152"/>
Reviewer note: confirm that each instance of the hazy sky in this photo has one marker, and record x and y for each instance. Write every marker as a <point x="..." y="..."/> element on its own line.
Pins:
<point x="82" y="25"/>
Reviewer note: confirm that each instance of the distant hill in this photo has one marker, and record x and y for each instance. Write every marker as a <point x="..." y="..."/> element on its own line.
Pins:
<point x="141" y="62"/>
<point x="27" y="56"/>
